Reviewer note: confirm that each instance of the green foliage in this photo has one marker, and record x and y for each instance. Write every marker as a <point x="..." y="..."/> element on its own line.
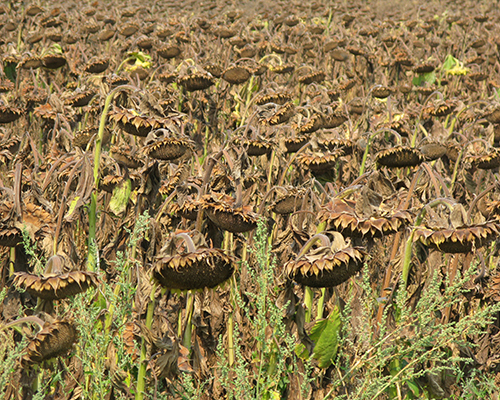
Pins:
<point x="453" y="66"/>
<point x="116" y="299"/>
<point x="396" y="363"/>
<point x="324" y="334"/>
<point x="273" y="345"/>
<point x="429" y="77"/>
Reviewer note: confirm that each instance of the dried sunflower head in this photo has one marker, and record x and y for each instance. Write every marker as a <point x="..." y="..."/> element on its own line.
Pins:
<point x="319" y="162"/>
<point x="236" y="75"/>
<point x="196" y="268"/>
<point x="255" y="147"/>
<point x="97" y="66"/>
<point x="343" y="218"/>
<point x="399" y="157"/>
<point x="53" y="340"/>
<point x="123" y="155"/>
<point x="281" y="115"/>
<point x="56" y="286"/>
<point x="221" y="211"/>
<point x="169" y="51"/>
<point x="288" y="202"/>
<point x="134" y="123"/>
<point x="9" y="114"/>
<point x="196" y="81"/>
<point x="490" y="160"/>
<point x="53" y="61"/>
<point x="458" y="240"/>
<point x="167" y="143"/>
<point x="10" y="236"/>
<point x="326" y="266"/>
<point x="313" y="77"/>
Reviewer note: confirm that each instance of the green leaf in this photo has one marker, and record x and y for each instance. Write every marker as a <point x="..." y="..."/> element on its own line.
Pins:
<point x="120" y="197"/>
<point x="72" y="206"/>
<point x="449" y="62"/>
<point x="429" y="77"/>
<point x="453" y="66"/>
<point x="55" y="49"/>
<point x="301" y="351"/>
<point x="414" y="388"/>
<point x="325" y="336"/>
<point x="140" y="60"/>
<point x="10" y="71"/>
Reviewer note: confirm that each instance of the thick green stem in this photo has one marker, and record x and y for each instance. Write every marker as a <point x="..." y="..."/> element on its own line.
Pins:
<point x="308" y="302"/>
<point x="321" y="304"/>
<point x="12" y="261"/>
<point x="270" y="174"/>
<point x="228" y="236"/>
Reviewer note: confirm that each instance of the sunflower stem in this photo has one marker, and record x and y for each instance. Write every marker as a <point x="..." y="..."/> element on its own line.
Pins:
<point x="191" y="248"/>
<point x="319" y="236"/>
<point x="308" y="302"/>
<point x="32" y="318"/>
<point x="321" y="304"/>
<point x="12" y="261"/>
<point x="92" y="260"/>
<point x="230" y="339"/>
<point x="270" y="174"/>
<point x="186" y="341"/>
<point x="141" y="377"/>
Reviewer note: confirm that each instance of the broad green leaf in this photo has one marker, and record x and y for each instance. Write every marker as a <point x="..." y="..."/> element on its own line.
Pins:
<point x="56" y="49"/>
<point x="141" y="60"/>
<point x="325" y="336"/>
<point x="414" y="388"/>
<point x="120" y="197"/>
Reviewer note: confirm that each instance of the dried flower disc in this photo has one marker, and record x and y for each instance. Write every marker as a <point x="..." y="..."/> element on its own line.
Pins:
<point x="53" y="340"/>
<point x="399" y="157"/>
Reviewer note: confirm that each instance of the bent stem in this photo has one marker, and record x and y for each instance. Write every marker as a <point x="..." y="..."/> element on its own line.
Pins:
<point x="92" y="259"/>
<point x="32" y="318"/>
